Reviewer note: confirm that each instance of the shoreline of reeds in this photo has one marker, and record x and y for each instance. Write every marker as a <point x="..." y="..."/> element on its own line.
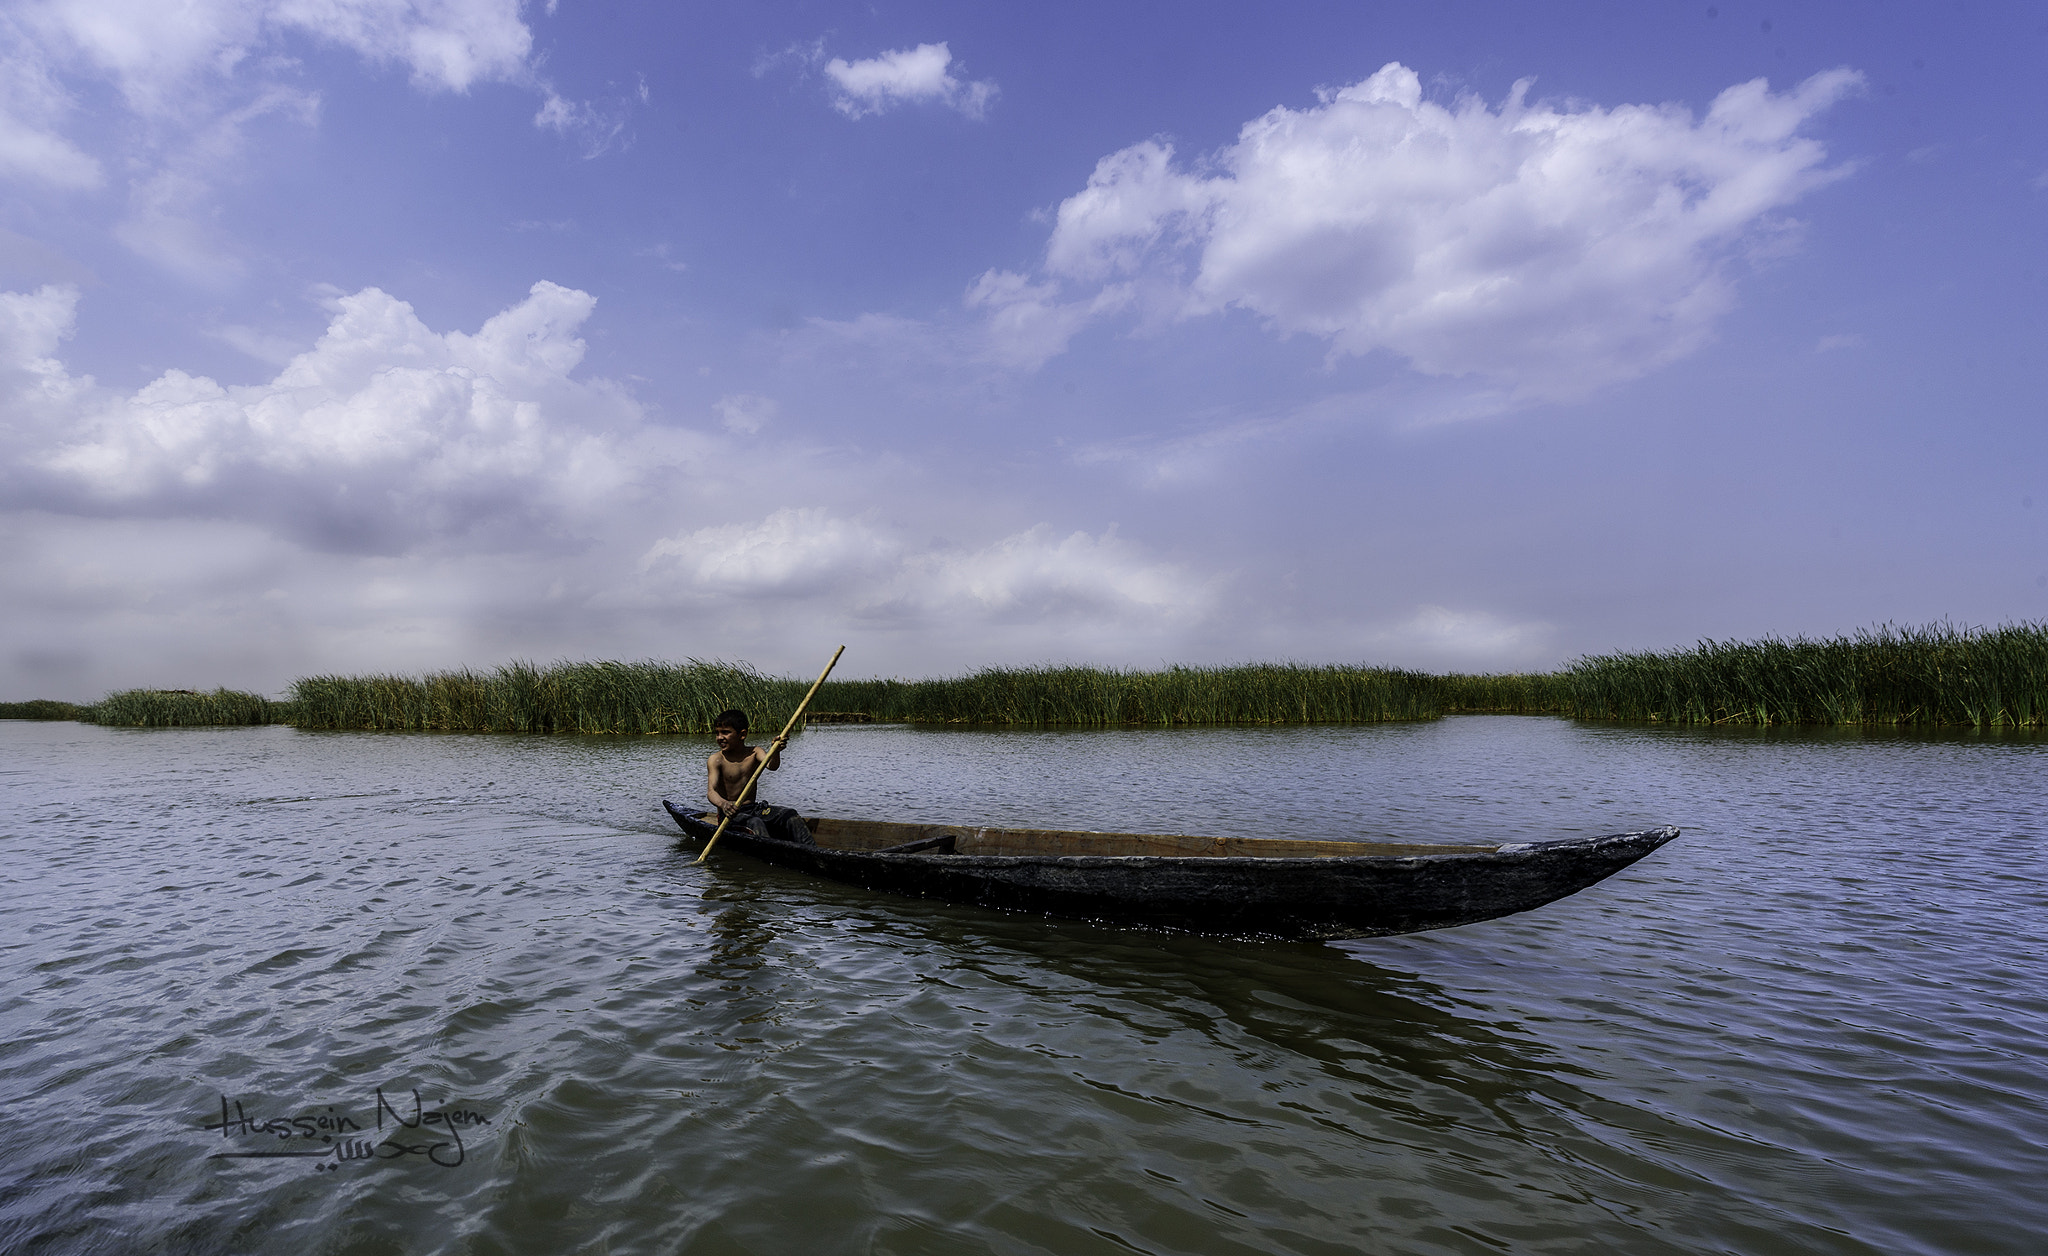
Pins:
<point x="1933" y="676"/>
<point x="44" y="709"/>
<point x="1936" y="675"/>
<point x="653" y="697"/>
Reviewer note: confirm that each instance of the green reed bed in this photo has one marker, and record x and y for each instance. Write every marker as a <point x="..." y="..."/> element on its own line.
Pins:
<point x="651" y="697"/>
<point x="42" y="709"/>
<point x="1935" y="675"/>
<point x="179" y="708"/>
<point x="604" y="697"/>
<point x="1104" y="697"/>
<point x="1938" y="675"/>
<point x="1508" y="693"/>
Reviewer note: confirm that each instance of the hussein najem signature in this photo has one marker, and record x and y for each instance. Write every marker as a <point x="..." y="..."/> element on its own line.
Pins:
<point x="432" y="1133"/>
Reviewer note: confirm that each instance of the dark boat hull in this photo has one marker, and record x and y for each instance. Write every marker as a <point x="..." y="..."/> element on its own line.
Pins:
<point x="1321" y="897"/>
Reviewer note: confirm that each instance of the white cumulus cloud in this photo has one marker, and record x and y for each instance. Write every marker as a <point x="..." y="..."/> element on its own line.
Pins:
<point x="920" y="75"/>
<point x="1555" y="249"/>
<point x="793" y="552"/>
<point x="153" y="52"/>
<point x="1463" y="639"/>
<point x="32" y="327"/>
<point x="1027" y="323"/>
<point x="744" y="414"/>
<point x="1038" y="573"/>
<point x="878" y="573"/>
<point x="32" y="107"/>
<point x="382" y="434"/>
<point x="398" y="495"/>
<point x="445" y="43"/>
<point x="192" y="77"/>
<point x="597" y="129"/>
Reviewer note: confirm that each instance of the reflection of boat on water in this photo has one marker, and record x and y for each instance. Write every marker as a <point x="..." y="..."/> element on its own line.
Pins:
<point x="1270" y="887"/>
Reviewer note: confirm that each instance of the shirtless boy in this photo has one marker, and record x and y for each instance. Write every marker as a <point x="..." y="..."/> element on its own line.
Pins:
<point x="735" y="761"/>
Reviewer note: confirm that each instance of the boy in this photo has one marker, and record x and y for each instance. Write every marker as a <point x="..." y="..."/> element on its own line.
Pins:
<point x="734" y="762"/>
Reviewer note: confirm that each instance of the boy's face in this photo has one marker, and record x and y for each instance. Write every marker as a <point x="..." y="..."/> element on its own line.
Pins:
<point x="729" y="737"/>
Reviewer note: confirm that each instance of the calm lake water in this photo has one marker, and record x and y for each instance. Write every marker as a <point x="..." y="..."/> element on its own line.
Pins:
<point x="1813" y="1024"/>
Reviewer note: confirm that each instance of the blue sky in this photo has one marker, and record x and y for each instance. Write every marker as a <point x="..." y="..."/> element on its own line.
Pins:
<point x="361" y="335"/>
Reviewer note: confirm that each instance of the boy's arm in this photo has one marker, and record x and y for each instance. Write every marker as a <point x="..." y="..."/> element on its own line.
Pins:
<point x="774" y="756"/>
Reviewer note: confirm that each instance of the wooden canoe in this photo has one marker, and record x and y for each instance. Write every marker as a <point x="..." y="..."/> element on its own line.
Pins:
<point x="1251" y="886"/>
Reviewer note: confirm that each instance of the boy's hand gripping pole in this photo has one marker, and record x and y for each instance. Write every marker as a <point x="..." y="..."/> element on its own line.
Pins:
<point x="774" y="747"/>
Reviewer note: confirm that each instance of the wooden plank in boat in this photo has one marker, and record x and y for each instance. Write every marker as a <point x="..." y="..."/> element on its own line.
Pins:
<point x="860" y="835"/>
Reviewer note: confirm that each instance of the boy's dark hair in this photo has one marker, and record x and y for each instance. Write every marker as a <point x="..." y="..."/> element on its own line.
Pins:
<point x="734" y="719"/>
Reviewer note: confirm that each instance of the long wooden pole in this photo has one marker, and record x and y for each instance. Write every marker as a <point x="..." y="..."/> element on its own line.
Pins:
<point x="774" y="747"/>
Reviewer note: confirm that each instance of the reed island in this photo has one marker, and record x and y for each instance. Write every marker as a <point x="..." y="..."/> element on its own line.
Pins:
<point x="1937" y="675"/>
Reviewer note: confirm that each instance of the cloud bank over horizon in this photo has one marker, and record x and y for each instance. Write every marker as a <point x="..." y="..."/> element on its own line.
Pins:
<point x="433" y="476"/>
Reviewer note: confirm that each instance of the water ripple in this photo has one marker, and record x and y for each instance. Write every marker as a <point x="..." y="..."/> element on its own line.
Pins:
<point x="1811" y="1025"/>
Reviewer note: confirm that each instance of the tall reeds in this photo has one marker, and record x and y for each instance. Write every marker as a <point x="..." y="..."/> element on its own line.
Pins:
<point x="605" y="697"/>
<point x="1507" y="693"/>
<point x="175" y="708"/>
<point x="1259" y="693"/>
<point x="1937" y="675"/>
<point x="654" y="697"/>
<point x="1934" y="675"/>
<point x="42" y="709"/>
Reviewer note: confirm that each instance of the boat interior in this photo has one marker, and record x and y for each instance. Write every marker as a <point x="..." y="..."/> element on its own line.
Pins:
<point x="883" y="837"/>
